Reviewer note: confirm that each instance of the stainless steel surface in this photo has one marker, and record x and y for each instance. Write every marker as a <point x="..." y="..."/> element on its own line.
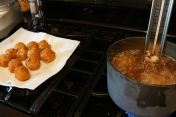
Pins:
<point x="137" y="98"/>
<point x="33" y="7"/>
<point x="10" y="16"/>
<point x="36" y="9"/>
<point x="158" y="25"/>
<point x="39" y="4"/>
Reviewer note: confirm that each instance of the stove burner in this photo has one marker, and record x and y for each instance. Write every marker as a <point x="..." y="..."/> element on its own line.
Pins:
<point x="131" y="115"/>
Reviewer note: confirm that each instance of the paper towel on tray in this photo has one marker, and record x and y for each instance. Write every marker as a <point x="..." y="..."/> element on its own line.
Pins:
<point x="61" y="46"/>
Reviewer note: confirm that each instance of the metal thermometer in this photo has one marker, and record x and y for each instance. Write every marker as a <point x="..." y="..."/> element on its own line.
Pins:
<point x="158" y="25"/>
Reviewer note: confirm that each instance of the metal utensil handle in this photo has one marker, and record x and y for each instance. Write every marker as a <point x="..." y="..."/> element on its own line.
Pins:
<point x="158" y="25"/>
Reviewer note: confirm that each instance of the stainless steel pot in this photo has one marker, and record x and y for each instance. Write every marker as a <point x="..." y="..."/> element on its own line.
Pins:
<point x="135" y="97"/>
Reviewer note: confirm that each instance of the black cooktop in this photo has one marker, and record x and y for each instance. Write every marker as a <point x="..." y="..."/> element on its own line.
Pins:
<point x="80" y="88"/>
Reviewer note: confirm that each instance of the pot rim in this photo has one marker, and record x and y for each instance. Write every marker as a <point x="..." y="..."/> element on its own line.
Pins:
<point x="171" y="85"/>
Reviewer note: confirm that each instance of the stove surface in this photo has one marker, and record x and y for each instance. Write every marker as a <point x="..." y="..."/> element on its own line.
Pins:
<point x="80" y="88"/>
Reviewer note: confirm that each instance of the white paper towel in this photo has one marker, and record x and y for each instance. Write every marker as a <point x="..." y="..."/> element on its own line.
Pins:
<point x="61" y="46"/>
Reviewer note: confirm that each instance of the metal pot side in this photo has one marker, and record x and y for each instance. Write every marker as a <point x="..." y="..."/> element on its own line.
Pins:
<point x="135" y="97"/>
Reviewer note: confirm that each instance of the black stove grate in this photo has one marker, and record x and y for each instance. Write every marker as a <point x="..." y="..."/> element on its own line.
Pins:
<point x="80" y="88"/>
<point x="80" y="74"/>
<point x="65" y="93"/>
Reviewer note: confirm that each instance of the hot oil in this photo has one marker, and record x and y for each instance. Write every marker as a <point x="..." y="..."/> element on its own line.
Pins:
<point x="134" y="64"/>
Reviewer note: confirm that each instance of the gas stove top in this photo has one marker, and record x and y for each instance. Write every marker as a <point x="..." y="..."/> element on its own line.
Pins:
<point x="80" y="88"/>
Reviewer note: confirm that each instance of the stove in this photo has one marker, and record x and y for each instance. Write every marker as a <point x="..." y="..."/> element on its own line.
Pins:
<point x="80" y="88"/>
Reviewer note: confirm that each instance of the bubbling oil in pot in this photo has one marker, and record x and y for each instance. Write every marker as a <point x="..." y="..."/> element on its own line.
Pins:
<point x="159" y="69"/>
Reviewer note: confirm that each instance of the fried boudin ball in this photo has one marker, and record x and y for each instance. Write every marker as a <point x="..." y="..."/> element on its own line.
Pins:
<point x="43" y="44"/>
<point x="32" y="63"/>
<point x="47" y="55"/>
<point x="14" y="63"/>
<point x="32" y="44"/>
<point x="4" y="60"/>
<point x="22" y="73"/>
<point x="33" y="52"/>
<point x="12" y="52"/>
<point x="20" y="45"/>
<point x="22" y="54"/>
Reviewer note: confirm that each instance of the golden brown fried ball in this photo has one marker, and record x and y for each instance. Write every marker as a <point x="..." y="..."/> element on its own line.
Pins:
<point x="32" y="44"/>
<point x="20" y="45"/>
<point x="43" y="44"/>
<point x="32" y="63"/>
<point x="12" y="52"/>
<point x="47" y="55"/>
<point x="22" y="73"/>
<point x="33" y="52"/>
<point x="22" y="54"/>
<point x="14" y="63"/>
<point x="4" y="60"/>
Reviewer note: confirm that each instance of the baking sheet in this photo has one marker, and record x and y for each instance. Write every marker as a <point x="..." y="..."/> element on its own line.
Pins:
<point x="61" y="46"/>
